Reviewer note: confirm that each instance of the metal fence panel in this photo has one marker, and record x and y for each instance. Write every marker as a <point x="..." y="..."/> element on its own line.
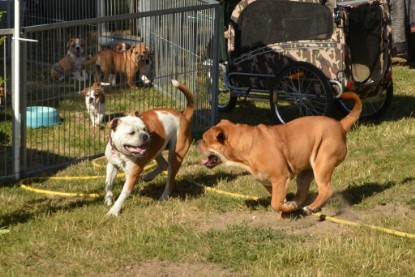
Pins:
<point x="179" y="34"/>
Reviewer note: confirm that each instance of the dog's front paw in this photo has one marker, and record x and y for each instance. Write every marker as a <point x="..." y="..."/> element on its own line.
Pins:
<point x="113" y="212"/>
<point x="146" y="81"/>
<point x="289" y="206"/>
<point x="307" y="210"/>
<point x="163" y="198"/>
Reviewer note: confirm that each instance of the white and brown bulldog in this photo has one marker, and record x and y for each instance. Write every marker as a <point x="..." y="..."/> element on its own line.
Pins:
<point x="95" y="103"/>
<point x="137" y="59"/>
<point x="72" y="64"/>
<point x="308" y="147"/>
<point x="137" y="139"/>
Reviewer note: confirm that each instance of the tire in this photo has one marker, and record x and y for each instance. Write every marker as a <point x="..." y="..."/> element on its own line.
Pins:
<point x="226" y="102"/>
<point x="373" y="107"/>
<point x="300" y="89"/>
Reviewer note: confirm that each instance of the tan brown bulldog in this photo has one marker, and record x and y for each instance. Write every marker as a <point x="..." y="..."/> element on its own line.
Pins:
<point x="308" y="147"/>
<point x="135" y="140"/>
<point x="136" y="59"/>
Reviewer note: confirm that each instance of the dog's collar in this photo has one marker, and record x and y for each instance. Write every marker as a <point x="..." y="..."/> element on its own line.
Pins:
<point x="113" y="147"/>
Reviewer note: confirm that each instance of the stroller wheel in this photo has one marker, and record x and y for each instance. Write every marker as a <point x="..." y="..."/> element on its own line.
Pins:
<point x="225" y="101"/>
<point x="300" y="89"/>
<point x="373" y="107"/>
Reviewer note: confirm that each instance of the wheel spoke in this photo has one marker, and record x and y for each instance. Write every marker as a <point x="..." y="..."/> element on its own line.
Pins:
<point x="301" y="90"/>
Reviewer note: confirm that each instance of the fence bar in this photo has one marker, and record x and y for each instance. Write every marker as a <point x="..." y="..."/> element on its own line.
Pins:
<point x="16" y="91"/>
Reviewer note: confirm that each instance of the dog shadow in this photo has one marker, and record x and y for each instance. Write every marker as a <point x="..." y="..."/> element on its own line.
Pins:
<point x="356" y="194"/>
<point x="186" y="187"/>
<point x="352" y="195"/>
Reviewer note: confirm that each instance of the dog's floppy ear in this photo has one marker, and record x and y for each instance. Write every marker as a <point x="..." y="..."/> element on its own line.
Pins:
<point x="225" y="122"/>
<point x="83" y="92"/>
<point x="113" y="123"/>
<point x="219" y="134"/>
<point x="135" y="113"/>
<point x="131" y="50"/>
<point x="69" y="42"/>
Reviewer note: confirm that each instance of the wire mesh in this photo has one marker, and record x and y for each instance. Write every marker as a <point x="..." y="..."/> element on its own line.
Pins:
<point x="178" y="33"/>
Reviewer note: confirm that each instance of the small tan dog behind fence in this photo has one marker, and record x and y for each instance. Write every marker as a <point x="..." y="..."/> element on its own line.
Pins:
<point x="137" y="59"/>
<point x="72" y="64"/>
<point x="137" y="139"/>
<point x="95" y="103"/>
<point x="307" y="148"/>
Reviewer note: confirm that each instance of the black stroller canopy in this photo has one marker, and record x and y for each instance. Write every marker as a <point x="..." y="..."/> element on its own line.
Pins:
<point x="266" y="22"/>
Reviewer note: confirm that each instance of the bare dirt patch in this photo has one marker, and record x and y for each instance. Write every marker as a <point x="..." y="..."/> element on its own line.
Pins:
<point x="157" y="268"/>
<point x="310" y="225"/>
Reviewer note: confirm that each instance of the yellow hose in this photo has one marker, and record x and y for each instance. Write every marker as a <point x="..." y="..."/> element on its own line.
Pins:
<point x="319" y="215"/>
<point x="377" y="228"/>
<point x="23" y="183"/>
<point x="210" y="189"/>
<point x="4" y="231"/>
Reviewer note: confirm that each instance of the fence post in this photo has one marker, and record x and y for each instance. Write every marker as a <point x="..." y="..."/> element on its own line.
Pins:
<point x="16" y="92"/>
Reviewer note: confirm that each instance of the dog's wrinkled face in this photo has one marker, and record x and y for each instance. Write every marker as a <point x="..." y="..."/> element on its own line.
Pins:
<point x="129" y="135"/>
<point x="142" y="54"/>
<point x="214" y="145"/>
<point x="94" y="94"/>
<point x="76" y="47"/>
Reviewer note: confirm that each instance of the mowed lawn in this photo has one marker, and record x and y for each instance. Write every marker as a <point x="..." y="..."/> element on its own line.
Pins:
<point x="200" y="232"/>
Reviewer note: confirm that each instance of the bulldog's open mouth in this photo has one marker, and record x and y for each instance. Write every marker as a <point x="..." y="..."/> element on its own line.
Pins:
<point x="211" y="161"/>
<point x="136" y="150"/>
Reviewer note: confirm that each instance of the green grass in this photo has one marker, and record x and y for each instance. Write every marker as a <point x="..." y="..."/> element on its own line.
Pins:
<point x="226" y="236"/>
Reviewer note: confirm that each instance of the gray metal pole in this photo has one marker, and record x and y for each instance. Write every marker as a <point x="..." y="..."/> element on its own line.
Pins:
<point x="18" y="139"/>
<point x="16" y="91"/>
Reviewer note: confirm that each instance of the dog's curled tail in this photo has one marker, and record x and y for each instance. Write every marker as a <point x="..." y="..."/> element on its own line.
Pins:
<point x="354" y="115"/>
<point x="190" y="107"/>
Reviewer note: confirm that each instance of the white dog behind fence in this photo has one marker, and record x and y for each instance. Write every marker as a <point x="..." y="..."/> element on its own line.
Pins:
<point x="95" y="103"/>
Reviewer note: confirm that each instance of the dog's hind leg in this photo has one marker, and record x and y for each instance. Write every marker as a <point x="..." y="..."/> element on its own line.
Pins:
<point x="112" y="172"/>
<point x="161" y="166"/>
<point x="99" y="76"/>
<point x="176" y="157"/>
<point x="322" y="172"/>
<point x="303" y="185"/>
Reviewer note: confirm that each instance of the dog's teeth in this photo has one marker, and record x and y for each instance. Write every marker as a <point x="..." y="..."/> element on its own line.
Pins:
<point x="210" y="161"/>
<point x="136" y="149"/>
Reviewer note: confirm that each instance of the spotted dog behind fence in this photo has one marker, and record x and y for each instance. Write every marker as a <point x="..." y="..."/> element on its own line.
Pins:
<point x="95" y="103"/>
<point x="72" y="64"/>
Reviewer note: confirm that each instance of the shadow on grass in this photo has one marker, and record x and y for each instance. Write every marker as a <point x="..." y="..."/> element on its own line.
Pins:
<point x="189" y="186"/>
<point x="247" y="112"/>
<point x="355" y="195"/>
<point x="402" y="107"/>
<point x="352" y="195"/>
<point x="43" y="206"/>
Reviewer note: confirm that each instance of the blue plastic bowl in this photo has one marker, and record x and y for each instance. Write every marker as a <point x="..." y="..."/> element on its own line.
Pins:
<point x="39" y="116"/>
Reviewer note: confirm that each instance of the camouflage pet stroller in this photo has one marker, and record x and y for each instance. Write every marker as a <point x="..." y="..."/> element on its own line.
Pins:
<point x="302" y="55"/>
